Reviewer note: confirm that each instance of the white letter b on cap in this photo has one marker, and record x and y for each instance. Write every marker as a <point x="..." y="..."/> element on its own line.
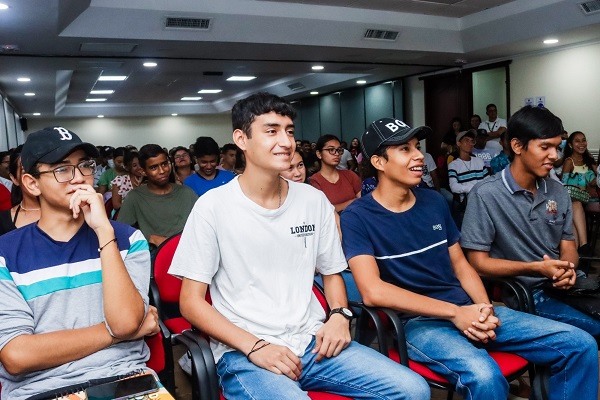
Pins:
<point x="65" y="134"/>
<point x="392" y="127"/>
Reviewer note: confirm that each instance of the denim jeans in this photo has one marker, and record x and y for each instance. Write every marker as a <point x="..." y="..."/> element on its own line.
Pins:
<point x="548" y="307"/>
<point x="571" y="354"/>
<point x="357" y="372"/>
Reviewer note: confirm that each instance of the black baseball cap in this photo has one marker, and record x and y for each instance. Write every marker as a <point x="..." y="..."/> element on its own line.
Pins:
<point x="390" y="132"/>
<point x="51" y="145"/>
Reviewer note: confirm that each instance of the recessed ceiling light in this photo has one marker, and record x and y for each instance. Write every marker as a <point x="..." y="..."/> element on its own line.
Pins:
<point x="314" y="93"/>
<point x="174" y="115"/>
<point x="210" y="91"/>
<point x="112" y="78"/>
<point x="37" y="114"/>
<point x="150" y="64"/>
<point x="97" y="99"/>
<point x="550" y="41"/>
<point x="100" y="116"/>
<point x="361" y="82"/>
<point x="241" y="78"/>
<point x="191" y="98"/>
<point x="102" y="92"/>
<point x="318" y="67"/>
<point x="3" y="6"/>
<point x="30" y="94"/>
<point x="24" y="79"/>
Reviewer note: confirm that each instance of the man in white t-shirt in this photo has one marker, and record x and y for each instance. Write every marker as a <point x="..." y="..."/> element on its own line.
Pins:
<point x="257" y="242"/>
<point x="494" y="126"/>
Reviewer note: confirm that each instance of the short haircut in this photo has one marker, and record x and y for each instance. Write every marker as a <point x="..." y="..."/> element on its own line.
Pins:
<point x="228" y="147"/>
<point x="206" y="146"/>
<point x="531" y="123"/>
<point x="490" y="106"/>
<point x="119" y="152"/>
<point x="245" y="111"/>
<point x="324" y="139"/>
<point x="149" y="151"/>
<point x="302" y="143"/>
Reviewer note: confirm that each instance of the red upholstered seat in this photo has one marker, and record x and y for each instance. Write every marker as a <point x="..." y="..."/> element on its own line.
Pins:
<point x="177" y="325"/>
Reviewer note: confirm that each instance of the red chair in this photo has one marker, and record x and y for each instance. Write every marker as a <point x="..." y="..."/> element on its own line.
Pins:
<point x="165" y="288"/>
<point x="205" y="367"/>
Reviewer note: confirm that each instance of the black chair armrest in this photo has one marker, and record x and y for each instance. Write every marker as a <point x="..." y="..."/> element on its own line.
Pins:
<point x="207" y="361"/>
<point x="398" y="333"/>
<point x="369" y="314"/>
<point x="517" y="288"/>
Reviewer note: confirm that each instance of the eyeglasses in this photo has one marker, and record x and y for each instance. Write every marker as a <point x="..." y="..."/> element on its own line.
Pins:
<point x="181" y="157"/>
<point x="66" y="173"/>
<point x="333" y="151"/>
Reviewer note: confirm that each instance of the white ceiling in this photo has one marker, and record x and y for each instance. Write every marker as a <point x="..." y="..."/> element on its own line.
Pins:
<point x="65" y="45"/>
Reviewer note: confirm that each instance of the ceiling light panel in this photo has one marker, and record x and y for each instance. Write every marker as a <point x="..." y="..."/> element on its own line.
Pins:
<point x="209" y="91"/>
<point x="112" y="78"/>
<point x="102" y="92"/>
<point x="241" y="78"/>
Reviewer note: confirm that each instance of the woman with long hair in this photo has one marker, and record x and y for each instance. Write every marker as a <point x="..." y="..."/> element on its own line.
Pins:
<point x="183" y="164"/>
<point x="579" y="171"/>
<point x="26" y="207"/>
<point x="449" y="140"/>
<point x="341" y="187"/>
<point x="133" y="178"/>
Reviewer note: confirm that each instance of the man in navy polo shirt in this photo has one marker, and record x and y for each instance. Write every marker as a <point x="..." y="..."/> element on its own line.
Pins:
<point x="402" y="246"/>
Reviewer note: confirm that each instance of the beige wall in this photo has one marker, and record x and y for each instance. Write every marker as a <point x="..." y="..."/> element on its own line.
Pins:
<point x="165" y="131"/>
<point x="569" y="80"/>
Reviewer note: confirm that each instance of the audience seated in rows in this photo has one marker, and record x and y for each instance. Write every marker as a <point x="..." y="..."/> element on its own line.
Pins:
<point x="270" y="341"/>
<point x="123" y="184"/>
<point x="420" y="271"/>
<point x="206" y="153"/>
<point x="228" y="155"/>
<point x="183" y="164"/>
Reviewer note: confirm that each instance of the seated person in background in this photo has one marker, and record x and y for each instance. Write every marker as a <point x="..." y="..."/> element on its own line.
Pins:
<point x="206" y="153"/>
<point x="183" y="165"/>
<point x="340" y="186"/>
<point x="297" y="171"/>
<point x="104" y="154"/>
<point x="579" y="171"/>
<point x="312" y="163"/>
<point x="449" y="139"/>
<point x="475" y="121"/>
<point x="267" y="329"/>
<point x="481" y="150"/>
<point x="519" y="222"/>
<point x="465" y="171"/>
<point x="228" y="153"/>
<point x="159" y="208"/>
<point x="123" y="184"/>
<point x="403" y="249"/>
<point x="502" y="160"/>
<point x="74" y="303"/>
<point x="26" y="206"/>
<point x="116" y="168"/>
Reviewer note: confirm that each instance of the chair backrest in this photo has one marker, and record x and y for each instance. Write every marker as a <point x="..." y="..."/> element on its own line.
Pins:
<point x="157" y="359"/>
<point x="168" y="285"/>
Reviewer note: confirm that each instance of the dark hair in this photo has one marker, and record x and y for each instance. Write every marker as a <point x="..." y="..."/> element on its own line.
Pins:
<point x="324" y="139"/>
<point x="588" y="159"/>
<point x="16" y="193"/>
<point x="206" y="146"/>
<point x="179" y="148"/>
<point x="119" y="152"/>
<point x="531" y="123"/>
<point x="148" y="151"/>
<point x="490" y="106"/>
<point x="303" y="142"/>
<point x="129" y="157"/>
<point x="451" y="128"/>
<point x="228" y="147"/>
<point x="246" y="110"/>
<point x="475" y="116"/>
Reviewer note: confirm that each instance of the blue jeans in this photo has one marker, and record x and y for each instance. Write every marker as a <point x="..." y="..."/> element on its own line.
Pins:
<point x="556" y="310"/>
<point x="571" y="354"/>
<point x="357" y="372"/>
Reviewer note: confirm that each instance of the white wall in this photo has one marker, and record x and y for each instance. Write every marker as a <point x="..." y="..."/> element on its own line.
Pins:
<point x="489" y="87"/>
<point x="165" y="131"/>
<point x="569" y="80"/>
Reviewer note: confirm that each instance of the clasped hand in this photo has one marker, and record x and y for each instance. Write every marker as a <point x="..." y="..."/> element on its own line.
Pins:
<point x="477" y="322"/>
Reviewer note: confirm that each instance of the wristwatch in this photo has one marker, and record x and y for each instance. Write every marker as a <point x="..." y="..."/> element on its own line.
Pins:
<point x="346" y="313"/>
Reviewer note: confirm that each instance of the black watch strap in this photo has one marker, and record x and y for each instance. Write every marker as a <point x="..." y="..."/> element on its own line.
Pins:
<point x="346" y="313"/>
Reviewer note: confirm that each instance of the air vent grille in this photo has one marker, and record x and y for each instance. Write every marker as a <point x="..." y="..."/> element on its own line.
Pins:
<point x="590" y="7"/>
<point x="377" y="34"/>
<point x="296" y="86"/>
<point x="187" y="23"/>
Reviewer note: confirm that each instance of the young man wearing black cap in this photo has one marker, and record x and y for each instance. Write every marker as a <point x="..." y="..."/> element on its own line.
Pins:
<point x="74" y="285"/>
<point x="402" y="247"/>
<point x="257" y="241"/>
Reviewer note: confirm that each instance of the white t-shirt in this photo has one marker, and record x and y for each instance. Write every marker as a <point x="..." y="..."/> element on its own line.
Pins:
<point x="427" y="168"/>
<point x="347" y="156"/>
<point x="493" y="144"/>
<point x="260" y="263"/>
